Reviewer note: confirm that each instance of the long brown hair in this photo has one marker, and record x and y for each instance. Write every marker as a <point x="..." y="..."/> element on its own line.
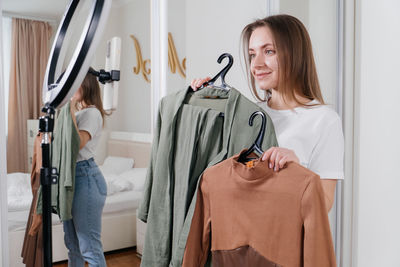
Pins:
<point x="297" y="71"/>
<point x="91" y="93"/>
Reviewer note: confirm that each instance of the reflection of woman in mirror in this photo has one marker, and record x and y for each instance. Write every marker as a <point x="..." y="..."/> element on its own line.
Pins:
<point x="82" y="232"/>
<point x="279" y="60"/>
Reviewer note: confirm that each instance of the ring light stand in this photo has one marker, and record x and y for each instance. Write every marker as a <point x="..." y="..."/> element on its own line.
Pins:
<point x="57" y="91"/>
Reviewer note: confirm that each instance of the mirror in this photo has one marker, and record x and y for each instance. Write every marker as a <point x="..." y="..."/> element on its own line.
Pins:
<point x="207" y="29"/>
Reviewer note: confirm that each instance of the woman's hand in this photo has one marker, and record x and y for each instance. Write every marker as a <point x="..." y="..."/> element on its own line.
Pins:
<point x="196" y="83"/>
<point x="278" y="157"/>
<point x="72" y="105"/>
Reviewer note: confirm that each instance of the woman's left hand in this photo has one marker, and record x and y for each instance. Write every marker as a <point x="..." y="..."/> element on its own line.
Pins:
<point x="73" y="103"/>
<point x="278" y="157"/>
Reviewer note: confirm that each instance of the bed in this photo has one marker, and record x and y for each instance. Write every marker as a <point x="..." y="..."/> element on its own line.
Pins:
<point x="125" y="185"/>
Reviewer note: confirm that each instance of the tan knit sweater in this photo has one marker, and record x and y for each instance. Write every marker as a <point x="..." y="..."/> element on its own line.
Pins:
<point x="252" y="216"/>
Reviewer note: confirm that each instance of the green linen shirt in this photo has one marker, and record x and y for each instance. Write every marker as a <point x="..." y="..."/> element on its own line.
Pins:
<point x="65" y="149"/>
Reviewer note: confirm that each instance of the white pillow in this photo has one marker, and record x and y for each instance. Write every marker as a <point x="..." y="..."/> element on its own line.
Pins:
<point x="116" y="183"/>
<point x="117" y="165"/>
<point x="136" y="176"/>
<point x="19" y="192"/>
<point x="18" y="183"/>
<point x="107" y="171"/>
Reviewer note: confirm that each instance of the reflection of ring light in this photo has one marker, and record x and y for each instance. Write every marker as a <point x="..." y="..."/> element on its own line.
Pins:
<point x="57" y="93"/>
<point x="58" y="90"/>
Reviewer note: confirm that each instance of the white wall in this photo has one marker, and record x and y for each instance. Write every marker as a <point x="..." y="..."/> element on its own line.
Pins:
<point x="322" y="27"/>
<point x="177" y="28"/>
<point x="213" y="28"/>
<point x="298" y="8"/>
<point x="378" y="131"/>
<point x="320" y="19"/>
<point x="126" y="18"/>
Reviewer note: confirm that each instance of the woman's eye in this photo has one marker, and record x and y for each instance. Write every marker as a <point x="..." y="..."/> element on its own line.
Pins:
<point x="269" y="52"/>
<point x="252" y="56"/>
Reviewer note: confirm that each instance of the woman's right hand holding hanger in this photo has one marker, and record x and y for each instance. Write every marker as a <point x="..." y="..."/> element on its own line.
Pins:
<point x="196" y="83"/>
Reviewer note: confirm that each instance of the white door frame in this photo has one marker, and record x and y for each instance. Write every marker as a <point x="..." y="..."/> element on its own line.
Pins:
<point x="4" y="260"/>
<point x="159" y="55"/>
<point x="349" y="214"/>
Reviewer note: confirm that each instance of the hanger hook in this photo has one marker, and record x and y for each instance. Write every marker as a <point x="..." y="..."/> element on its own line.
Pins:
<point x="223" y="72"/>
<point x="260" y="136"/>
<point x="227" y="67"/>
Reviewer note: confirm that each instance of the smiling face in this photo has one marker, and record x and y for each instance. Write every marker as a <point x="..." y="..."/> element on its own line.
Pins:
<point x="263" y="58"/>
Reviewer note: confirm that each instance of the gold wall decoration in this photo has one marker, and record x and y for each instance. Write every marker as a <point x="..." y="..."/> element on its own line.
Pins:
<point x="141" y="64"/>
<point x="173" y="60"/>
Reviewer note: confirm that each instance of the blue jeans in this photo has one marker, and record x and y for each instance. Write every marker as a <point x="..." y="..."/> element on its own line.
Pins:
<point x="82" y="232"/>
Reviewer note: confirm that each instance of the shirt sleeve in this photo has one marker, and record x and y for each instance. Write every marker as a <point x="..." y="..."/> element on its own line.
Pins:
<point x="328" y="154"/>
<point x="318" y="247"/>
<point x="90" y="121"/>
<point x="198" y="242"/>
<point x="145" y="203"/>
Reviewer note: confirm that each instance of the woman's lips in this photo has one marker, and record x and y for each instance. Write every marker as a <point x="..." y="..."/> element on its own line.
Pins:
<point x="262" y="75"/>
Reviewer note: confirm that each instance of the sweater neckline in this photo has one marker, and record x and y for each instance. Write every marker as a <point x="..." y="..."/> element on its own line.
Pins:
<point x="258" y="169"/>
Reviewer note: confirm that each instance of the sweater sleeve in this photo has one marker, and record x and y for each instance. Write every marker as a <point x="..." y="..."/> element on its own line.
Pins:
<point x="198" y="242"/>
<point x="317" y="243"/>
<point x="145" y="203"/>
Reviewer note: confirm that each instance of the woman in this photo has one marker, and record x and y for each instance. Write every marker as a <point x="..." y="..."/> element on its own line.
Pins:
<point x="82" y="232"/>
<point x="279" y="59"/>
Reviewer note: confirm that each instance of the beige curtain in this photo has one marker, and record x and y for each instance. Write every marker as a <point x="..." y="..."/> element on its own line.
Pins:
<point x="30" y="50"/>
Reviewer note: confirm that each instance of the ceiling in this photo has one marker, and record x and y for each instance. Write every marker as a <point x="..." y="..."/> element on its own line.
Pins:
<point x="44" y="9"/>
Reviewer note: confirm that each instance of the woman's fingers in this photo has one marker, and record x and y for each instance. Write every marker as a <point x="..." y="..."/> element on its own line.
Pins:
<point x="277" y="157"/>
<point x="192" y="84"/>
<point x="196" y="83"/>
<point x="199" y="82"/>
<point x="282" y="162"/>
<point x="267" y="154"/>
<point x="202" y="81"/>
<point x="273" y="158"/>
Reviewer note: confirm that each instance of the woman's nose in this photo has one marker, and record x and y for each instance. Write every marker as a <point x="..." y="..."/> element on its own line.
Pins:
<point x="258" y="60"/>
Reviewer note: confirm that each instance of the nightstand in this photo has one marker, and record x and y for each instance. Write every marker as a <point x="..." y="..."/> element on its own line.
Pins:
<point x="140" y="233"/>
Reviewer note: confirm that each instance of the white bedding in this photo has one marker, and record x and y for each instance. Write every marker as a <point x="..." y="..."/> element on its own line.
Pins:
<point x="120" y="202"/>
<point x="19" y="193"/>
<point x="124" y="192"/>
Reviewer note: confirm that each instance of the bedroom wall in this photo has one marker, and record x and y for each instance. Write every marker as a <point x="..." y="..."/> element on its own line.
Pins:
<point x="209" y="36"/>
<point x="177" y="27"/>
<point x="126" y="18"/>
<point x="320" y="19"/>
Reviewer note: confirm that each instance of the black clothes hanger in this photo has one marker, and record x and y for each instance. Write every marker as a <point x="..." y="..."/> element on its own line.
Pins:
<point x="257" y="145"/>
<point x="221" y="74"/>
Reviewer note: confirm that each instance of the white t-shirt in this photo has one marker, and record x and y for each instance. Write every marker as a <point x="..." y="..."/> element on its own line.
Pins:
<point x="90" y="120"/>
<point x="314" y="134"/>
